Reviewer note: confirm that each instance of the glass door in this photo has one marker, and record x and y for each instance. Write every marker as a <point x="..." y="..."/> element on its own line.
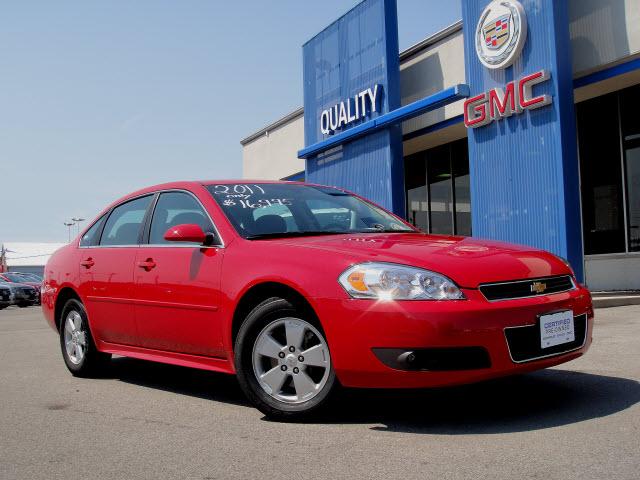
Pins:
<point x="632" y="160"/>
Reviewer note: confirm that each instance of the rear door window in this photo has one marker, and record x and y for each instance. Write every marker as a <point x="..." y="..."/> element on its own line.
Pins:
<point x="125" y="222"/>
<point x="90" y="237"/>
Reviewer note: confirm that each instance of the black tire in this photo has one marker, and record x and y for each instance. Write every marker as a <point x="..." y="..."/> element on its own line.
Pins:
<point x="93" y="362"/>
<point x="24" y="305"/>
<point x="262" y="315"/>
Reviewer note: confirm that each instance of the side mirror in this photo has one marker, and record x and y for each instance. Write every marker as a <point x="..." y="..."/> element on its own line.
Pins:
<point x="188" y="232"/>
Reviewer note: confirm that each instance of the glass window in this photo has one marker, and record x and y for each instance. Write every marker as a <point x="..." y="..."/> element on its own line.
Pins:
<point x="91" y="236"/>
<point x="14" y="277"/>
<point x="275" y="209"/>
<point x="632" y="157"/>
<point x="176" y="208"/>
<point x="265" y="216"/>
<point x="462" y="188"/>
<point x="331" y="215"/>
<point x="32" y="277"/>
<point x="440" y="189"/>
<point x="601" y="175"/>
<point x="124" y="222"/>
<point x="415" y="170"/>
<point x="629" y="101"/>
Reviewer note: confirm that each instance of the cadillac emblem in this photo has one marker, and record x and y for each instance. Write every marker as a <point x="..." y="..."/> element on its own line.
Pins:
<point x="501" y="33"/>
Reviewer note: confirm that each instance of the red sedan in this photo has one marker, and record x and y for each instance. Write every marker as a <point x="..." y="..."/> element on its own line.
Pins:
<point x="299" y="288"/>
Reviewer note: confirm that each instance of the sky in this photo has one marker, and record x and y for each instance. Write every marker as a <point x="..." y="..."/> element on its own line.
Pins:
<point x="101" y="98"/>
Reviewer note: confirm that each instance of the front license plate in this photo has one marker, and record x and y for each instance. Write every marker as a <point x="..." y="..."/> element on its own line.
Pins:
<point x="556" y="329"/>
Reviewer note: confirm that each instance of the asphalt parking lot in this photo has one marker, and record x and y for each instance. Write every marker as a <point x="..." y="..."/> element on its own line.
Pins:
<point x="580" y="420"/>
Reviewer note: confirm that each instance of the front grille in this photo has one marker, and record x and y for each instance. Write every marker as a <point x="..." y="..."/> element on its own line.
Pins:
<point x="524" y="342"/>
<point x="28" y="292"/>
<point x="526" y="288"/>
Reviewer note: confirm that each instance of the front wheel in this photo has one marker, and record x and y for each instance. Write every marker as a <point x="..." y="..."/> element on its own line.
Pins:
<point x="283" y="361"/>
<point x="78" y="348"/>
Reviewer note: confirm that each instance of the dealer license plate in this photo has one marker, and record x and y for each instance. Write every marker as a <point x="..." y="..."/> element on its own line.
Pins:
<point x="556" y="329"/>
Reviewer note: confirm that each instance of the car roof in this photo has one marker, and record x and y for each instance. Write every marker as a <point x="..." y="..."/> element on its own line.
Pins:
<point x="248" y="180"/>
<point x="195" y="183"/>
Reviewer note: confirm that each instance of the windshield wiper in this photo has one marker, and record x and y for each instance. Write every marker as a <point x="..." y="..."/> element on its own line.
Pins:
<point x="304" y="233"/>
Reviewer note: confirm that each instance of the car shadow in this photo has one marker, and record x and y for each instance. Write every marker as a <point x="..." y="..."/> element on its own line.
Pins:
<point x="204" y="384"/>
<point x="535" y="401"/>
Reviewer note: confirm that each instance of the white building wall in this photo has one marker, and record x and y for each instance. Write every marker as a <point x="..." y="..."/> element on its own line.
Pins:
<point x="438" y="67"/>
<point x="612" y="272"/>
<point x="274" y="155"/>
<point x="603" y="32"/>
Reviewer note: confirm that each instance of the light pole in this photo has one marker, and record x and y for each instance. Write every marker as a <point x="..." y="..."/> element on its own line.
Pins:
<point x="78" y="220"/>
<point x="69" y="225"/>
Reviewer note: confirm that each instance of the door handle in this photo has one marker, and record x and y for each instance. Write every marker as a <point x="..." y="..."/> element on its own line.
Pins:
<point x="88" y="263"/>
<point x="148" y="264"/>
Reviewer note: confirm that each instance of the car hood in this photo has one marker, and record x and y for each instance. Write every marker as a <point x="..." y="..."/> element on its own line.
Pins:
<point x="467" y="261"/>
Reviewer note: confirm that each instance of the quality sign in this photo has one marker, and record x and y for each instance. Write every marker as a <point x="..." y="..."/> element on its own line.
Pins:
<point x="349" y="111"/>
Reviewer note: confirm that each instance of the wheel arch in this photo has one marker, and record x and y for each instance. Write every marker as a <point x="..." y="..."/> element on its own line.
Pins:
<point x="262" y="291"/>
<point x="64" y="295"/>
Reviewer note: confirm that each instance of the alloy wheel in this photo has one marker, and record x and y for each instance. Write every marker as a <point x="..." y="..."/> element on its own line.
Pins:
<point x="75" y="337"/>
<point x="291" y="360"/>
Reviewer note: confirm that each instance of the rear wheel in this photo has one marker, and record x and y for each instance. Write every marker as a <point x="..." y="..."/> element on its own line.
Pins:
<point x="78" y="348"/>
<point x="283" y="361"/>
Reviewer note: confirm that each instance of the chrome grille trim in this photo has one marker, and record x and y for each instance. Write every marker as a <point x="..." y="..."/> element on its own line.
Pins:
<point x="528" y="281"/>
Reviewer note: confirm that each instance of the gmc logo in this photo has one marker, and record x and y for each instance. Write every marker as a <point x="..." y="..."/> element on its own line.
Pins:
<point x="497" y="103"/>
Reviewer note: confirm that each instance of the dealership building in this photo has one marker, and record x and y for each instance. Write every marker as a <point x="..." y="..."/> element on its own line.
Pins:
<point x="517" y="123"/>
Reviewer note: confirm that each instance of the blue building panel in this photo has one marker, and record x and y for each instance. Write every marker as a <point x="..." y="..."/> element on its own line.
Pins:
<point x="357" y="52"/>
<point x="524" y="168"/>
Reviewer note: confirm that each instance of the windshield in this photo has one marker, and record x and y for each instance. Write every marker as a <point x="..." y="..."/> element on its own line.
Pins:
<point x="32" y="277"/>
<point x="277" y="210"/>
<point x="12" y="277"/>
<point x="27" y="277"/>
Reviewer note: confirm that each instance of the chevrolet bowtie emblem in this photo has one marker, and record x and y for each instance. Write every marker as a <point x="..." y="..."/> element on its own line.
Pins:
<point x="538" y="287"/>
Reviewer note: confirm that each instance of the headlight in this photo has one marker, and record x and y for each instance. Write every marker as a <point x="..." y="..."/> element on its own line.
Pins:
<point x="389" y="281"/>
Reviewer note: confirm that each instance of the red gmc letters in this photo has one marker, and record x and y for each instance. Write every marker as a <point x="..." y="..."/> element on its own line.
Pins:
<point x="498" y="103"/>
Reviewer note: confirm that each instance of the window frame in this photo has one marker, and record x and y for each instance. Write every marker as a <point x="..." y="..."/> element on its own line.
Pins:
<point x="110" y="212"/>
<point x="146" y="224"/>
<point x="617" y="94"/>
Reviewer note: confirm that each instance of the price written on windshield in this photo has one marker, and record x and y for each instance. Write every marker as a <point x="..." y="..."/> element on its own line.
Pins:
<point x="237" y="190"/>
<point x="242" y="195"/>
<point x="261" y="203"/>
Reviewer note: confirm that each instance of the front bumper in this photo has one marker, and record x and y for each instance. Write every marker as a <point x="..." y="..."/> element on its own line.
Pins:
<point x="26" y="299"/>
<point x="355" y="329"/>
